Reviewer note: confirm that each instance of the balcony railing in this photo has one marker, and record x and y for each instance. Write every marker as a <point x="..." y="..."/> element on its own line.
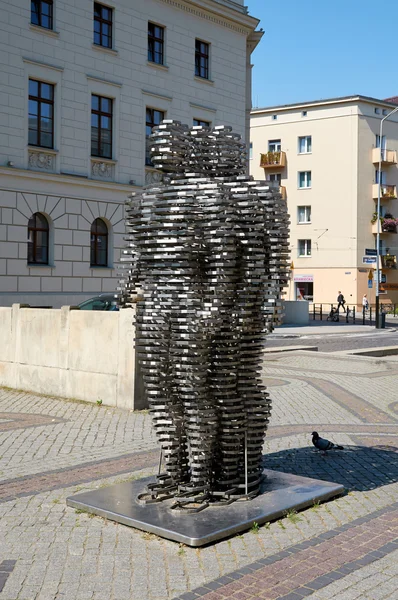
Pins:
<point x="388" y="157"/>
<point x="387" y="192"/>
<point x="273" y="160"/>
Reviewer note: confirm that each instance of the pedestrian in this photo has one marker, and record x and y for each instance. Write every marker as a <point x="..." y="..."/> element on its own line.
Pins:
<point x="341" y="301"/>
<point x="365" y="303"/>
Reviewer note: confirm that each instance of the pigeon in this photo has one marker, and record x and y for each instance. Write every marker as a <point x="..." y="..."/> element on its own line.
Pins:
<point x="322" y="444"/>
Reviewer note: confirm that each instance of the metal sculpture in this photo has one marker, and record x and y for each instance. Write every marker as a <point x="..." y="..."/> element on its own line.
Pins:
<point x="207" y="247"/>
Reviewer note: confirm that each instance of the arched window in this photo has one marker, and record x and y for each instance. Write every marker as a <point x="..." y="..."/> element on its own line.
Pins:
<point x="99" y="244"/>
<point x="38" y="233"/>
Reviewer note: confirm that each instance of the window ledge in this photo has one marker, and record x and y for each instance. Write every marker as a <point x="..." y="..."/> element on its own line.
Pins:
<point x="41" y="149"/>
<point x="304" y="188"/>
<point x="39" y="266"/>
<point x="105" y="49"/>
<point x="44" y="30"/>
<point x="204" y="80"/>
<point x="304" y="222"/>
<point x="97" y="267"/>
<point x="301" y="153"/>
<point x="157" y="65"/>
<point x="304" y="256"/>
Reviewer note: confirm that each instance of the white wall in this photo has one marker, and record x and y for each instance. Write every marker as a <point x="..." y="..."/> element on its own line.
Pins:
<point x="86" y="355"/>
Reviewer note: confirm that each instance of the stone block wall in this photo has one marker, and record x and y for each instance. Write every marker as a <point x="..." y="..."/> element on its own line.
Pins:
<point x="86" y="355"/>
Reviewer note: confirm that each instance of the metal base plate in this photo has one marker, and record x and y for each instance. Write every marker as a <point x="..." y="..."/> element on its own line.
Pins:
<point x="280" y="493"/>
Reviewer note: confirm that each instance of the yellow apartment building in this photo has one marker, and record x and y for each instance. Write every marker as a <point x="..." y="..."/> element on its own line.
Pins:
<point x="325" y="156"/>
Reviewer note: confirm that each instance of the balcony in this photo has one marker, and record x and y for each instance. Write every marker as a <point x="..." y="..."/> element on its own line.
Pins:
<point x="273" y="160"/>
<point x="386" y="226"/>
<point x="388" y="157"/>
<point x="387" y="192"/>
<point x="388" y="261"/>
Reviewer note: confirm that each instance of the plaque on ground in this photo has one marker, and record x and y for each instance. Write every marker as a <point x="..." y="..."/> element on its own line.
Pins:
<point x="280" y="493"/>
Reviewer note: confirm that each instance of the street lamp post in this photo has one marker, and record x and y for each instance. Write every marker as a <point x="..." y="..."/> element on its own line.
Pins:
<point x="378" y="324"/>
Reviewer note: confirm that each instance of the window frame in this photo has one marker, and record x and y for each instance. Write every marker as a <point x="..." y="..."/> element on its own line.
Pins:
<point x="40" y="15"/>
<point x="35" y="229"/>
<point x="305" y="138"/>
<point x="100" y="113"/>
<point x="102" y="21"/>
<point x="40" y="100"/>
<point x="307" y="248"/>
<point x="98" y="235"/>
<point x="199" y="56"/>
<point x="201" y="123"/>
<point x="151" y="124"/>
<point x="153" y="39"/>
<point x="277" y="178"/>
<point x="275" y="145"/>
<point x="306" y="211"/>
<point x="305" y="187"/>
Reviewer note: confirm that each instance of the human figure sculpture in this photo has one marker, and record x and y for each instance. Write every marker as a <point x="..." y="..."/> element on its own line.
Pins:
<point x="208" y="250"/>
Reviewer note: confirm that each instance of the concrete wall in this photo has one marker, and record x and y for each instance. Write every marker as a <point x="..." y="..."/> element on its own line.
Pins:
<point x="296" y="313"/>
<point x="87" y="355"/>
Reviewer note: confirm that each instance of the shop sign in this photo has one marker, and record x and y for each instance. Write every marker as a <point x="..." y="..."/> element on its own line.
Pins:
<point x="303" y="278"/>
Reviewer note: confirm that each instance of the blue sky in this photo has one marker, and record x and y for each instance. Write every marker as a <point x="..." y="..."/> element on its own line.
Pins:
<point x="314" y="49"/>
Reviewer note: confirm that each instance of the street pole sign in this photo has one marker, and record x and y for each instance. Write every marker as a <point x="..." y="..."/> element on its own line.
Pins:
<point x="369" y="260"/>
<point x="370" y="283"/>
<point x="370" y="252"/>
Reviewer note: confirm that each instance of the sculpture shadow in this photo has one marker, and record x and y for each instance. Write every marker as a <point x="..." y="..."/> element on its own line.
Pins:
<point x="358" y="468"/>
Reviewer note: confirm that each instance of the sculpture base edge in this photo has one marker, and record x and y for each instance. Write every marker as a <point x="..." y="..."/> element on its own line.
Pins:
<point x="280" y="493"/>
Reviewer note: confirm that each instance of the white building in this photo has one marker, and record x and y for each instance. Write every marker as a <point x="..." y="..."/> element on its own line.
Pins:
<point x="81" y="85"/>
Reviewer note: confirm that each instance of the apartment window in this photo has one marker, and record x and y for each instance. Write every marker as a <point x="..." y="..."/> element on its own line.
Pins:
<point x="305" y="144"/>
<point x="274" y="117"/>
<point x="304" y="113"/>
<point x="99" y="244"/>
<point x="304" y="248"/>
<point x="377" y="111"/>
<point x="41" y="114"/>
<point x="102" y="25"/>
<point x="251" y="151"/>
<point x="38" y="234"/>
<point x="202" y="59"/>
<point x="383" y="177"/>
<point x="304" y="179"/>
<point x="101" y="126"/>
<point x="383" y="141"/>
<point x="41" y="13"/>
<point x="276" y="177"/>
<point x="155" y="44"/>
<point x="274" y="146"/>
<point x="198" y="122"/>
<point x="304" y="214"/>
<point x="153" y="117"/>
<point x="384" y="111"/>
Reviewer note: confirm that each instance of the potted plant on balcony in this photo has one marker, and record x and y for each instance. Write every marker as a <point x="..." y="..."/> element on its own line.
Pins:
<point x="389" y="261"/>
<point x="389" y="224"/>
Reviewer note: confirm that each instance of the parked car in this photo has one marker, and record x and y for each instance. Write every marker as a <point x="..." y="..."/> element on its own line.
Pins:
<point x="101" y="302"/>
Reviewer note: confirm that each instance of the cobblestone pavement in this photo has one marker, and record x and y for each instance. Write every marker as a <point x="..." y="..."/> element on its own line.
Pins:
<point x="344" y="549"/>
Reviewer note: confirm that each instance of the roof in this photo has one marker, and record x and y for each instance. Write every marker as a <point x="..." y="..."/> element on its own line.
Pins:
<point x="355" y="98"/>
<point x="393" y="100"/>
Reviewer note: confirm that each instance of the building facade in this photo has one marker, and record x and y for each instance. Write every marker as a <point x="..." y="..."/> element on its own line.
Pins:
<point x="325" y="156"/>
<point x="82" y="84"/>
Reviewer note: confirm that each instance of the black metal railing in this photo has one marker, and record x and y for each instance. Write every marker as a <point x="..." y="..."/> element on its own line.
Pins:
<point x="352" y="314"/>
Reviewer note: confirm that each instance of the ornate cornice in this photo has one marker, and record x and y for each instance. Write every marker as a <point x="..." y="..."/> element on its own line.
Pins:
<point x="216" y="13"/>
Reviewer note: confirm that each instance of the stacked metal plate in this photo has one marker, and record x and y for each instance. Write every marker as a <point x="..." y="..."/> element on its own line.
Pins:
<point x="207" y="251"/>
